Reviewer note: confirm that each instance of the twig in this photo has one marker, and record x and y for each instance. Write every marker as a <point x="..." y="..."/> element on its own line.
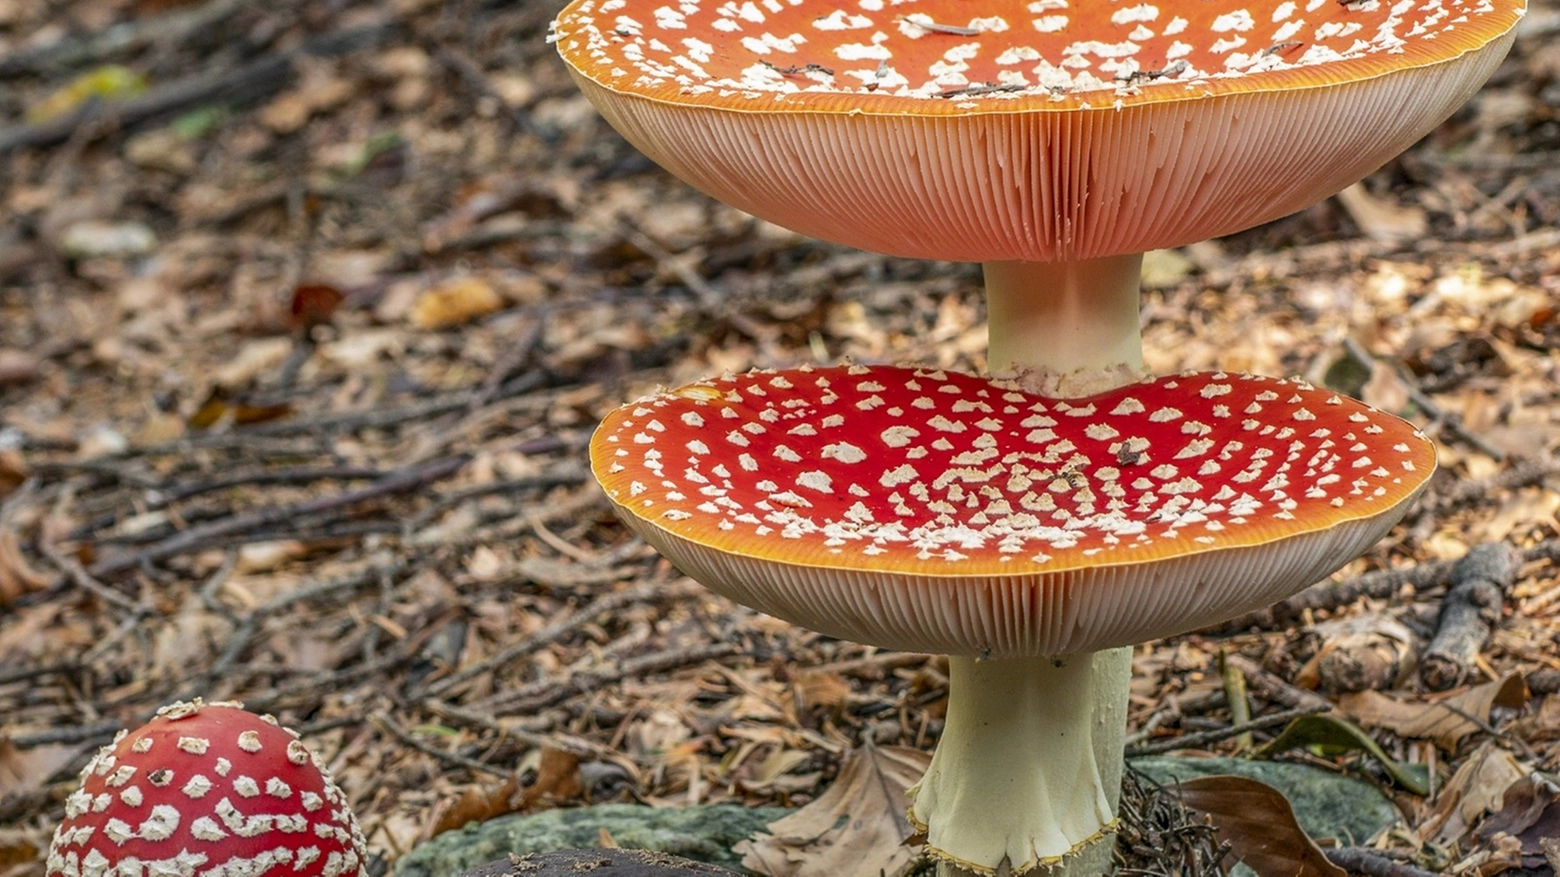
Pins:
<point x="379" y="418"/>
<point x="195" y="537"/>
<point x="1235" y="695"/>
<point x="84" y="579"/>
<point x="247" y="83"/>
<point x="556" y="631"/>
<point x="120" y="39"/>
<point x="1469" y="612"/>
<point x="550" y="692"/>
<point x="67" y="734"/>
<point x="1378" y="585"/>
<point x="407" y="738"/>
<point x="1203" y="738"/>
<point x="1274" y="688"/>
<point x="1357" y="860"/>
<point x="1449" y="421"/>
<point x="456" y="61"/>
<point x="471" y="718"/>
<point x="1522" y="473"/>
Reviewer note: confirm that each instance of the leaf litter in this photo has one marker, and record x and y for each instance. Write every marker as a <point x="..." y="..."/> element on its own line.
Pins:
<point x="297" y="369"/>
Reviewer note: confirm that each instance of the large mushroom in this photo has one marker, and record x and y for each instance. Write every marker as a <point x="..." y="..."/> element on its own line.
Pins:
<point x="206" y="789"/>
<point x="1053" y="141"/>
<point x="1022" y="535"/>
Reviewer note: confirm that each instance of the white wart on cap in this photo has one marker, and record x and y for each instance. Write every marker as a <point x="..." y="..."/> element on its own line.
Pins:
<point x="939" y="512"/>
<point x="207" y="789"/>
<point x="1058" y="129"/>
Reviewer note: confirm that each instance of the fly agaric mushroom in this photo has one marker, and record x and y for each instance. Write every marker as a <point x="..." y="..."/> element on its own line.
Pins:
<point x="206" y="789"/>
<point x="1053" y="141"/>
<point x="939" y="512"/>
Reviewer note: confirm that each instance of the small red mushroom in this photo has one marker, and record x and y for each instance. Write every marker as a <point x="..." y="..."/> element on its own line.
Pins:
<point x="206" y="789"/>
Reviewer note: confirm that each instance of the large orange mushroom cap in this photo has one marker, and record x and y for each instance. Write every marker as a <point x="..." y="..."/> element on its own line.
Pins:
<point x="939" y="512"/>
<point x="1030" y="131"/>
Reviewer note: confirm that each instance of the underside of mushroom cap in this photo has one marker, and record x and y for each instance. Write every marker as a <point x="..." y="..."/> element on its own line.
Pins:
<point x="916" y="130"/>
<point x="932" y="511"/>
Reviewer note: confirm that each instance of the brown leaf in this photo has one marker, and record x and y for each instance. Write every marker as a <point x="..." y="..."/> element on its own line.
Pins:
<point x="1259" y="824"/>
<point x="477" y="804"/>
<point x="22" y="770"/>
<point x="1381" y="219"/>
<point x="313" y="304"/>
<point x="219" y="409"/>
<point x="858" y="826"/>
<point x="13" y="471"/>
<point x="821" y="688"/>
<point x="17" y="577"/>
<point x="1482" y="784"/>
<point x="458" y="301"/>
<point x="557" y="780"/>
<point x="1444" y="721"/>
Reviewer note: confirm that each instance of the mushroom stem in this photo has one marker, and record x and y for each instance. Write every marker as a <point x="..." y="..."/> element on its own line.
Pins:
<point x="1065" y="329"/>
<point x="1028" y="771"/>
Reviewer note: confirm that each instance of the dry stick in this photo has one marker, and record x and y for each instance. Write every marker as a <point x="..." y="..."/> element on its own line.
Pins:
<point x="250" y="82"/>
<point x="67" y="734"/>
<point x="1205" y="737"/>
<point x="1469" y="612"/>
<point x="196" y="537"/>
<point x="550" y="692"/>
<point x="456" y="61"/>
<point x="1378" y="585"/>
<point x="1523" y="473"/>
<point x="553" y="632"/>
<point x="406" y="737"/>
<point x="379" y="418"/>
<point x="1275" y="688"/>
<point x="562" y="476"/>
<point x="1235" y="695"/>
<point x="713" y="301"/>
<point x="481" y="721"/>
<point x="1451" y="422"/>
<point x="120" y="39"/>
<point x="1356" y="860"/>
<point x="86" y="580"/>
<point x="246" y="628"/>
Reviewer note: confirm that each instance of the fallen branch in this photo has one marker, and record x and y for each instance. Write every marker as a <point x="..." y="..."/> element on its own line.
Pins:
<point x="1356" y="860"/>
<point x="120" y="39"/>
<point x="1203" y="738"/>
<point x="198" y="537"/>
<point x="249" y="83"/>
<point x="557" y="630"/>
<point x="1377" y="585"/>
<point x="1469" y="612"/>
<point x="550" y="692"/>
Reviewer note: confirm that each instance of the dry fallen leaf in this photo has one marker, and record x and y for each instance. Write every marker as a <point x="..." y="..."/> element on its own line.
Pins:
<point x="1476" y="789"/>
<point x="1381" y="219"/>
<point x="1444" y="721"/>
<point x="1259" y="825"/>
<point x="856" y="827"/>
<point x="458" y="301"/>
<point x="17" y="576"/>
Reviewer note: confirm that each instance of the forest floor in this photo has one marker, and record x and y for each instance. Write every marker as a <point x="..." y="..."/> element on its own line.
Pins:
<point x="308" y="310"/>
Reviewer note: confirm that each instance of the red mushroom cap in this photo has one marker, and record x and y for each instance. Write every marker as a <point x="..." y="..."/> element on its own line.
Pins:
<point x="206" y="789"/>
<point x="1034" y="131"/>
<point x="934" y="511"/>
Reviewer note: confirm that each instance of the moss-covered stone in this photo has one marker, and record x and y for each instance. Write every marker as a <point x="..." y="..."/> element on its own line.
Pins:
<point x="705" y="833"/>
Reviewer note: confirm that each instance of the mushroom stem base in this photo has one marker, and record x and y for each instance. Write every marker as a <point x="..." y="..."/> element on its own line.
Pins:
<point x="1065" y="329"/>
<point x="1027" y="774"/>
